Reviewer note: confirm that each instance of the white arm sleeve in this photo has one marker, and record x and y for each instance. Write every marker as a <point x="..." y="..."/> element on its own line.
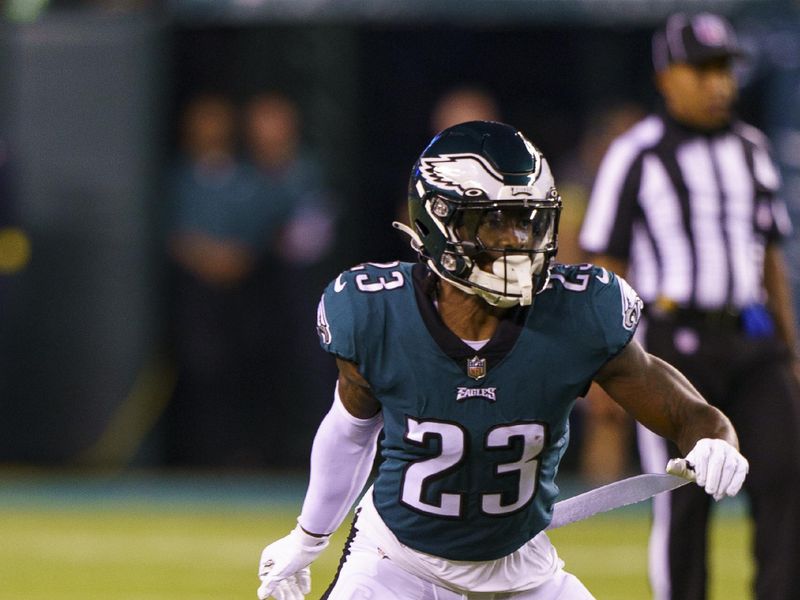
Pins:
<point x="341" y="460"/>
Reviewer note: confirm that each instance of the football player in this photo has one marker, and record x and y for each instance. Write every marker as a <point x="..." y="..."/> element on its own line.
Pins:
<point x="470" y="362"/>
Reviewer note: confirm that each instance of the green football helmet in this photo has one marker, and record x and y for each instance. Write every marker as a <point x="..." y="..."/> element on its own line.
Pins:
<point x="484" y="211"/>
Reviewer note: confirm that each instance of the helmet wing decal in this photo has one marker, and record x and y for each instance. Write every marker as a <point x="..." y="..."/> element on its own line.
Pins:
<point x="461" y="172"/>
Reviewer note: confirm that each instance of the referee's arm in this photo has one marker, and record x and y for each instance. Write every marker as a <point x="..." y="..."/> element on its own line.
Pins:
<point x="779" y="298"/>
<point x="605" y="234"/>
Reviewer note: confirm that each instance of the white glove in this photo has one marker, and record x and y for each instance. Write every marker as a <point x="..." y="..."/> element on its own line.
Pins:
<point x="718" y="467"/>
<point x="283" y="568"/>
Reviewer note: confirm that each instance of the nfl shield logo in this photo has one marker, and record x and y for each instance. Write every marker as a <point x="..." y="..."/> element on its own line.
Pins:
<point x="476" y="367"/>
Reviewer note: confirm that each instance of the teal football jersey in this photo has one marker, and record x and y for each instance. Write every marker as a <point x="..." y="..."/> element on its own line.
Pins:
<point x="473" y="440"/>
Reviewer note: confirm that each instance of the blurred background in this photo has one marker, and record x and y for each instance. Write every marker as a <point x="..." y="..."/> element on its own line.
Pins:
<point x="179" y="180"/>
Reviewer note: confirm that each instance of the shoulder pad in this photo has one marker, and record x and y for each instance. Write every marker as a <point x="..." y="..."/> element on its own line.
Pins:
<point x="353" y="299"/>
<point x="631" y="304"/>
<point x="370" y="277"/>
<point x="578" y="278"/>
<point x="614" y="305"/>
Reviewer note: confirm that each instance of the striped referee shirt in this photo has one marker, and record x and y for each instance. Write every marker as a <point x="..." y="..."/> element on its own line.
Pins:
<point x="690" y="212"/>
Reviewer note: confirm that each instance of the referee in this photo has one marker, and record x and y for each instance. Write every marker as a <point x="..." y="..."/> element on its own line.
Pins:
<point x="686" y="203"/>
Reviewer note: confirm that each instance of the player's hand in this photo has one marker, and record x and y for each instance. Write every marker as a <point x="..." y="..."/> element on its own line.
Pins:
<point x="718" y="467"/>
<point x="283" y="568"/>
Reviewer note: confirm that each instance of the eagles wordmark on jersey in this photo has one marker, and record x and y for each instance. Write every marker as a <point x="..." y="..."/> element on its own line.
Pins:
<point x="473" y="439"/>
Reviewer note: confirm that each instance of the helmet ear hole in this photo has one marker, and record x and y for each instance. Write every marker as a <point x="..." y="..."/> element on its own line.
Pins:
<point x="450" y="262"/>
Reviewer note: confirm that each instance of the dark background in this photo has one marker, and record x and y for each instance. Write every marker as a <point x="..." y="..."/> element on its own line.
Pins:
<point x="91" y="94"/>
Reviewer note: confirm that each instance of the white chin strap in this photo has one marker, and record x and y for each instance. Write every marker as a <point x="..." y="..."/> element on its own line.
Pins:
<point x="510" y="275"/>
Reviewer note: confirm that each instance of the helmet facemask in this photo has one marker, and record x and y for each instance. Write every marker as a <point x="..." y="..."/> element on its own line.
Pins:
<point x="499" y="249"/>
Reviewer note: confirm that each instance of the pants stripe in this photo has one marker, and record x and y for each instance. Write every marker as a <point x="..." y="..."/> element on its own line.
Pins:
<point x="345" y="554"/>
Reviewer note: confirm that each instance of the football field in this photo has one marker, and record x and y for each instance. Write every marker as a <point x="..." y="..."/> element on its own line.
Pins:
<point x="199" y="538"/>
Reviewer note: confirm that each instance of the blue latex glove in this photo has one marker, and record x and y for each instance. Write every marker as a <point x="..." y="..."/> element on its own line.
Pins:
<point x="757" y="322"/>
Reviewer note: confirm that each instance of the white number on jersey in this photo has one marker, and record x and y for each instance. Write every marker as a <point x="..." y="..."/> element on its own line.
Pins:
<point x="452" y="450"/>
<point x="365" y="284"/>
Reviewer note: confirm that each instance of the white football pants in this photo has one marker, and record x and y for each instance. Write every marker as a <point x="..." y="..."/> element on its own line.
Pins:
<point x="367" y="573"/>
<point x="367" y="576"/>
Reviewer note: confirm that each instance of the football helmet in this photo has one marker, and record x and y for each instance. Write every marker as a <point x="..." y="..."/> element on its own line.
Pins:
<point x="484" y="210"/>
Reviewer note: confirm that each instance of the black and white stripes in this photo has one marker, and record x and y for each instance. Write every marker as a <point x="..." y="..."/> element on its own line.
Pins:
<point x="696" y="211"/>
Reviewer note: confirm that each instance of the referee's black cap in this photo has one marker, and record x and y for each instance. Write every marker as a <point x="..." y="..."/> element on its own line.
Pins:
<point x="694" y="39"/>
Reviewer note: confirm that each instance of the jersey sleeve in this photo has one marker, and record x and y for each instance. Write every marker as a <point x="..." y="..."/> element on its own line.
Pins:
<point x="771" y="214"/>
<point x="336" y="319"/>
<point x="618" y="309"/>
<point x="780" y="221"/>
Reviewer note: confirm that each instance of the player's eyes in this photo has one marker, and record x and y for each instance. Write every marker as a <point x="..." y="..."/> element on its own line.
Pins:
<point x="499" y="218"/>
<point x="494" y="218"/>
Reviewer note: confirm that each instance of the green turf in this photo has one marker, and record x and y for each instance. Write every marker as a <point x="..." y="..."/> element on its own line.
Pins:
<point x="193" y="550"/>
<point x="609" y="554"/>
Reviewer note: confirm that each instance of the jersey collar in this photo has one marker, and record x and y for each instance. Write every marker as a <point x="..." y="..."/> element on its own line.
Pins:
<point x="501" y="343"/>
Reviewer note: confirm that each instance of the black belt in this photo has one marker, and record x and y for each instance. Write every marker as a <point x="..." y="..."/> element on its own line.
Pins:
<point x="724" y="318"/>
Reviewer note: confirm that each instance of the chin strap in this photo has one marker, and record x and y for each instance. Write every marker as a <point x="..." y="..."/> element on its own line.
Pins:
<point x="526" y="289"/>
<point x="416" y="245"/>
<point x="416" y="242"/>
<point x="520" y="268"/>
<point x="515" y="272"/>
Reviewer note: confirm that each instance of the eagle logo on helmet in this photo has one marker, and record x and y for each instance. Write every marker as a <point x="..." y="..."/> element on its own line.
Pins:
<point x="471" y="175"/>
<point x="461" y="173"/>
